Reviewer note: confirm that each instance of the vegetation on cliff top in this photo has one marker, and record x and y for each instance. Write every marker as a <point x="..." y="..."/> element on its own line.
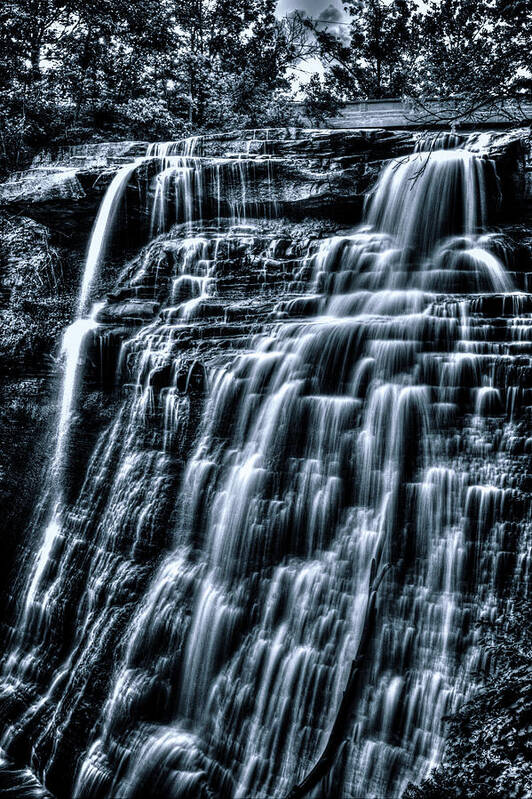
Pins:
<point x="73" y="71"/>
<point x="140" y="69"/>
<point x="473" y="51"/>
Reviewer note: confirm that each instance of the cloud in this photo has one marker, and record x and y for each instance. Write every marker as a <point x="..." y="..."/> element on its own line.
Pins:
<point x="333" y="20"/>
<point x="298" y="12"/>
<point x="331" y="14"/>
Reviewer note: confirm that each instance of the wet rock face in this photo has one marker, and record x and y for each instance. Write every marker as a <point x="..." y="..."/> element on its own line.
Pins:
<point x="315" y="173"/>
<point x="256" y="379"/>
<point x="38" y="282"/>
<point x="35" y="292"/>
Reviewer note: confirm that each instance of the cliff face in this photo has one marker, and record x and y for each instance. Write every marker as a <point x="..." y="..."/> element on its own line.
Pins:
<point x="46" y="215"/>
<point x="312" y="185"/>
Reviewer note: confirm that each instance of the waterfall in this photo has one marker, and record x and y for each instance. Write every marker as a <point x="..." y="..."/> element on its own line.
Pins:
<point x="187" y="626"/>
<point x="431" y="195"/>
<point x="102" y="229"/>
<point x="176" y="166"/>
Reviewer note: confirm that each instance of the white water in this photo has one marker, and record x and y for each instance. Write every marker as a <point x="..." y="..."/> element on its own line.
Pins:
<point x="357" y="425"/>
<point x="102" y="229"/>
<point x="71" y="350"/>
<point x="429" y="195"/>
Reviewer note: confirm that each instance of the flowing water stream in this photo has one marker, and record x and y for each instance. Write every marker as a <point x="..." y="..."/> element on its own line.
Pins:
<point x="210" y="603"/>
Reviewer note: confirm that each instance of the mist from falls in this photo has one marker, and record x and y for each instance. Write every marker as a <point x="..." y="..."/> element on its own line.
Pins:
<point x="213" y="603"/>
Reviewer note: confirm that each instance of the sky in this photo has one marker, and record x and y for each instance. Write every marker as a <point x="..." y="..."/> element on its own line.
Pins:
<point x="329" y="11"/>
<point x="314" y="8"/>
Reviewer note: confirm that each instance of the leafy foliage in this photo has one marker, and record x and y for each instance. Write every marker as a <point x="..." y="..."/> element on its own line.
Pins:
<point x="473" y="47"/>
<point x="71" y="70"/>
<point x="322" y="100"/>
<point x="474" y="52"/>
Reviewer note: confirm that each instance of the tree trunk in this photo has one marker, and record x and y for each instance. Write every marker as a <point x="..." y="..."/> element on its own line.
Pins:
<point x="35" y="62"/>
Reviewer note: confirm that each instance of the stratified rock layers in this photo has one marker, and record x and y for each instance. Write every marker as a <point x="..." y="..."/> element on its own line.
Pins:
<point x="267" y="399"/>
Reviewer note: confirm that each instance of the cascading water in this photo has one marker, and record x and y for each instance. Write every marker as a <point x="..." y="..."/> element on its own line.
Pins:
<point x="210" y="605"/>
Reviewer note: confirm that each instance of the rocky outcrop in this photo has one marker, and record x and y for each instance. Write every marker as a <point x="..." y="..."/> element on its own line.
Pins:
<point x="315" y="171"/>
<point x="315" y="181"/>
<point x="489" y="750"/>
<point x="249" y="277"/>
<point x="39" y="273"/>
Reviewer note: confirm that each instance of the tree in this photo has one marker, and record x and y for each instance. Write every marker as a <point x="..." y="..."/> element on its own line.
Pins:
<point x="72" y="70"/>
<point x="321" y="100"/>
<point x="372" y="61"/>
<point x="474" y="51"/>
<point x="247" y="77"/>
